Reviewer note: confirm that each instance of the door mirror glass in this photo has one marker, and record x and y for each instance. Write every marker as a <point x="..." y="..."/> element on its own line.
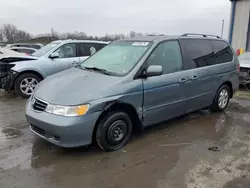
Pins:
<point x="153" y="70"/>
<point x="54" y="55"/>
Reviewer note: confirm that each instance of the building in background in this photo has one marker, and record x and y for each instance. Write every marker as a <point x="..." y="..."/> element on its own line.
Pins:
<point x="239" y="29"/>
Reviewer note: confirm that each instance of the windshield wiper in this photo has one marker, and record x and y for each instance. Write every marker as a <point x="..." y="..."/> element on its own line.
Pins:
<point x="98" y="70"/>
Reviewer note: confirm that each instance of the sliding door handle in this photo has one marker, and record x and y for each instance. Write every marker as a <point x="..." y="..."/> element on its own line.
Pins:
<point x="195" y="77"/>
<point x="182" y="80"/>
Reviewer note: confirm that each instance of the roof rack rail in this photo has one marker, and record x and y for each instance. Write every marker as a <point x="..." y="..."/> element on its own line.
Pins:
<point x="196" y="34"/>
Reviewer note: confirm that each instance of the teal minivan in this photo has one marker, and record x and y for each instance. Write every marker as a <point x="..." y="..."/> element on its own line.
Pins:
<point x="130" y="84"/>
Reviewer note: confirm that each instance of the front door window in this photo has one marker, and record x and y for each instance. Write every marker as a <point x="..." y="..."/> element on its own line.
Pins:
<point x="67" y="51"/>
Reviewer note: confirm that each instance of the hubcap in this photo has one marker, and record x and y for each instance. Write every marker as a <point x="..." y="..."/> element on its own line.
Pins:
<point x="117" y="132"/>
<point x="223" y="99"/>
<point x="28" y="85"/>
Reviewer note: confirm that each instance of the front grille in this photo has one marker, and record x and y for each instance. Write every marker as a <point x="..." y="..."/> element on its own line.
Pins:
<point x="38" y="130"/>
<point x="39" y="105"/>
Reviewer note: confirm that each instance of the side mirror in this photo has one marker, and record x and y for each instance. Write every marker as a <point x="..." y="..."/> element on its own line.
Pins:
<point x="153" y="70"/>
<point x="54" y="55"/>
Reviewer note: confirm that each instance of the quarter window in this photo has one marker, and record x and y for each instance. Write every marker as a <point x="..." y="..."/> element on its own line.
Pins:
<point x="222" y="51"/>
<point x="67" y="50"/>
<point x="168" y="55"/>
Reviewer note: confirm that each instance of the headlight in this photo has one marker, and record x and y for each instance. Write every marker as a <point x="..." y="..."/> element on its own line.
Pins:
<point x="70" y="111"/>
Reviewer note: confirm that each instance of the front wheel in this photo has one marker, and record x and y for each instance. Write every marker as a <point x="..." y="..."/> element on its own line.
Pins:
<point x="26" y="83"/>
<point x="221" y="99"/>
<point x="113" y="131"/>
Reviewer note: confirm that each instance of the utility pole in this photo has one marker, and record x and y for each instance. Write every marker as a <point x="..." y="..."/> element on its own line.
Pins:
<point x="222" y="28"/>
<point x="52" y="32"/>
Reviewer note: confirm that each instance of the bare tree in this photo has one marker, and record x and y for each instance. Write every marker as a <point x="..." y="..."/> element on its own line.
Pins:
<point x="9" y="31"/>
<point x="12" y="34"/>
<point x="132" y="34"/>
<point x="1" y="36"/>
<point x="22" y="36"/>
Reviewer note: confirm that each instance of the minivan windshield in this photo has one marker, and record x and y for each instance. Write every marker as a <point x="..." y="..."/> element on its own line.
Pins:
<point x="44" y="50"/>
<point x="245" y="56"/>
<point x="117" y="58"/>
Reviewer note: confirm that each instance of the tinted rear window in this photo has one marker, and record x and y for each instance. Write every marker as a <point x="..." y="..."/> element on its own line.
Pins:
<point x="197" y="53"/>
<point x="222" y="51"/>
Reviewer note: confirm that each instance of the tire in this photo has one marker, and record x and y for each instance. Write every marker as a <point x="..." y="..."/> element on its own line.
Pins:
<point x="26" y="78"/>
<point x="217" y="106"/>
<point x="108" y="136"/>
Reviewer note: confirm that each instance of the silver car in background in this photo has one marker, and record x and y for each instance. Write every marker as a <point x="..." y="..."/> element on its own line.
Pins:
<point x="23" y="74"/>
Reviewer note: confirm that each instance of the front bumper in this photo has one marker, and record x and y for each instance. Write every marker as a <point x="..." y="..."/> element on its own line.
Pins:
<point x="62" y="131"/>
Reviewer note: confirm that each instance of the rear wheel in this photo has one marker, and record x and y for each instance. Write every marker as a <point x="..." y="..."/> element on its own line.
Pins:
<point x="114" y="131"/>
<point x="221" y="99"/>
<point x="26" y="83"/>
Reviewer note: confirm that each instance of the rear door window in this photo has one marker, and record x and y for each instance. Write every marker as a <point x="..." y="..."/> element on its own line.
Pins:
<point x="100" y="46"/>
<point x="88" y="49"/>
<point x="222" y="51"/>
<point x="197" y="53"/>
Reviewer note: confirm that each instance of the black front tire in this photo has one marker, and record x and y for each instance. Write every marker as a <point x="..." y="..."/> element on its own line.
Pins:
<point x="105" y="126"/>
<point x="17" y="84"/>
<point x="215" y="106"/>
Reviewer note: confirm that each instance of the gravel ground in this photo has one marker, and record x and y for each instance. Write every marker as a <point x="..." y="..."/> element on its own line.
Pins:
<point x="171" y="155"/>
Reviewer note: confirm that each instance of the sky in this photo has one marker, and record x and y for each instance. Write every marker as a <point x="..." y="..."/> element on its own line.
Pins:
<point x="98" y="17"/>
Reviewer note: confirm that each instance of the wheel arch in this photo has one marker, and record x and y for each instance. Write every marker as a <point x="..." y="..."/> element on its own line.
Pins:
<point x="25" y="72"/>
<point x="117" y="105"/>
<point x="229" y="84"/>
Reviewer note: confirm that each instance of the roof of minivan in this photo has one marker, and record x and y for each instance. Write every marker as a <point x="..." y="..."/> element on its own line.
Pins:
<point x="156" y="38"/>
<point x="150" y="38"/>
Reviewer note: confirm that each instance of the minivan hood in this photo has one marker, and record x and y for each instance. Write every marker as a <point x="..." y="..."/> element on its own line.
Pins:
<point x="75" y="86"/>
<point x="245" y="63"/>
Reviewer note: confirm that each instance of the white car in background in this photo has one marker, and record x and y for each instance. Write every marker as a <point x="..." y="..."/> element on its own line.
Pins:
<point x="27" y="45"/>
<point x="25" y="50"/>
<point x="4" y="52"/>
